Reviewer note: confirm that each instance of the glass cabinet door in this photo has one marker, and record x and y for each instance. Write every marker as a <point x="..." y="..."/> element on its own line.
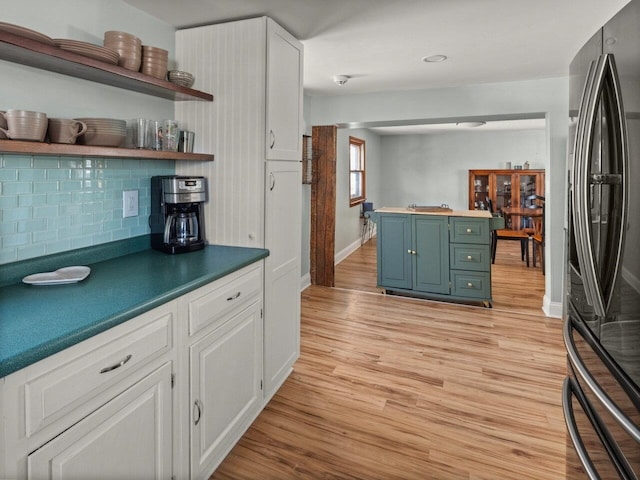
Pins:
<point x="528" y="187"/>
<point x="503" y="192"/>
<point x="480" y="192"/>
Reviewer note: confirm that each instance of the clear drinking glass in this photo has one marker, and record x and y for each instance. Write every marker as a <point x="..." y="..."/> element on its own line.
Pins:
<point x="170" y="135"/>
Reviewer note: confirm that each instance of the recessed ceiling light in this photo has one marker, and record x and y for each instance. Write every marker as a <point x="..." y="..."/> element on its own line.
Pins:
<point x="471" y="124"/>
<point x="434" y="58"/>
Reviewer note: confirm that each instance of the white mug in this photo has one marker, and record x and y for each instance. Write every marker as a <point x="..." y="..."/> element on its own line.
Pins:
<point x="62" y="130"/>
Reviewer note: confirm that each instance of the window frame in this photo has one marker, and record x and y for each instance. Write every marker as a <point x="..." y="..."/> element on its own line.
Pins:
<point x="360" y="144"/>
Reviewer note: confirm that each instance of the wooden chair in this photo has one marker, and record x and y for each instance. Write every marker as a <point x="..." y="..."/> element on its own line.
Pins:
<point x="508" y="234"/>
<point x="537" y="231"/>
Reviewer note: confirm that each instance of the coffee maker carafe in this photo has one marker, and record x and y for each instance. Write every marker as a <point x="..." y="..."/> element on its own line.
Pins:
<point x="176" y="213"/>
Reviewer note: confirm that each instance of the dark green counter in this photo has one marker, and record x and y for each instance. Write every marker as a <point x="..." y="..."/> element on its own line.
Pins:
<point x="38" y="321"/>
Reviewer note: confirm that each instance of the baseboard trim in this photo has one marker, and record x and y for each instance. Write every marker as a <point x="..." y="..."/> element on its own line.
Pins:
<point x="551" y="309"/>
<point x="305" y="281"/>
<point x="345" y="252"/>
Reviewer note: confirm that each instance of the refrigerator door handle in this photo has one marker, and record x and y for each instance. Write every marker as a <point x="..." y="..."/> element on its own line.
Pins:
<point x="604" y="73"/>
<point x="570" y="420"/>
<point x="609" y="405"/>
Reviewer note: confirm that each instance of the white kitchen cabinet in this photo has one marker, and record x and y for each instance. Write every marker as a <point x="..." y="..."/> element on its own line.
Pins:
<point x="255" y="68"/>
<point x="226" y="395"/>
<point x="284" y="95"/>
<point x="99" y="409"/>
<point x="224" y="348"/>
<point x="128" y="437"/>
<point x="282" y="273"/>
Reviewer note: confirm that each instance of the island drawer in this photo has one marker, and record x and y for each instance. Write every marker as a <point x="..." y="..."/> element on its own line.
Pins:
<point x="469" y="230"/>
<point x="215" y="302"/>
<point x="471" y="284"/>
<point x="83" y="372"/>
<point x="464" y="256"/>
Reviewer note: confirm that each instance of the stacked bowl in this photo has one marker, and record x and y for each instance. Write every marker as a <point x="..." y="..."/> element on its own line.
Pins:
<point x="104" y="132"/>
<point x="25" y="125"/>
<point x="154" y="61"/>
<point x="128" y="46"/>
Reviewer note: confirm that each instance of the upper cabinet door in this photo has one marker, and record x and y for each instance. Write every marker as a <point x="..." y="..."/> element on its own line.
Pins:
<point x="284" y="95"/>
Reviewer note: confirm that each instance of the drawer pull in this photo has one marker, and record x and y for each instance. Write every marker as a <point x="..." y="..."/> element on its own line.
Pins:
<point x="197" y="405"/>
<point x="117" y="365"/>
<point x="469" y="257"/>
<point x="233" y="297"/>
<point x="468" y="230"/>
<point x="469" y="284"/>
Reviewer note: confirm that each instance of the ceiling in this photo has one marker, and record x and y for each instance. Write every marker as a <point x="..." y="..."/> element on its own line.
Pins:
<point x="380" y="43"/>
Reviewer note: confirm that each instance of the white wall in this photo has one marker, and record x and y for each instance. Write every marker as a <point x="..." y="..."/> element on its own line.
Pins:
<point x="434" y="169"/>
<point x="348" y="222"/>
<point x="548" y="97"/>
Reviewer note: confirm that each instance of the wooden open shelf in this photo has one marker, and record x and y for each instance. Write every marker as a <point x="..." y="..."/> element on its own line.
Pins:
<point x="57" y="149"/>
<point x="25" y="51"/>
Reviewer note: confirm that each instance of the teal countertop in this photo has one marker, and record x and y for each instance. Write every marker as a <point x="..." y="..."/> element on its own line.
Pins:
<point x="39" y="320"/>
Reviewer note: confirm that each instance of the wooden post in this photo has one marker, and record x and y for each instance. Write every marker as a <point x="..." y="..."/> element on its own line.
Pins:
<point x="323" y="206"/>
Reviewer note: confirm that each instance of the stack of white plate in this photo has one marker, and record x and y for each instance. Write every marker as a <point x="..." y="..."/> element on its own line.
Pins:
<point x="26" y="125"/>
<point x="105" y="132"/>
<point x="90" y="50"/>
<point x="154" y="61"/>
<point x="128" y="46"/>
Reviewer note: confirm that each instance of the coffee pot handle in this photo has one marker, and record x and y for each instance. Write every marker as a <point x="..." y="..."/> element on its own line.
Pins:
<point x="167" y="228"/>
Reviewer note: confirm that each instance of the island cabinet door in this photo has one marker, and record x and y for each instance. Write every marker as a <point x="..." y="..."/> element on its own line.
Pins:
<point x="394" y="251"/>
<point x="431" y="254"/>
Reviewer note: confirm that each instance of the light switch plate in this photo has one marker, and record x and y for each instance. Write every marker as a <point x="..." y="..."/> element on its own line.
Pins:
<point x="129" y="203"/>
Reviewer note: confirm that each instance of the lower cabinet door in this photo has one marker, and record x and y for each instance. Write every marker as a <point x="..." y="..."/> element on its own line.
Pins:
<point x="128" y="437"/>
<point x="431" y="257"/>
<point x="226" y="377"/>
<point x="394" y="250"/>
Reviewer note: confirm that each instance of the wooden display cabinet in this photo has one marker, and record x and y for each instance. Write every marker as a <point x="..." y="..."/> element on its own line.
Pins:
<point x="505" y="188"/>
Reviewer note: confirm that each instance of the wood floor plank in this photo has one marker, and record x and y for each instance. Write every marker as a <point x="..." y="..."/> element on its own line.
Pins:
<point x="394" y="388"/>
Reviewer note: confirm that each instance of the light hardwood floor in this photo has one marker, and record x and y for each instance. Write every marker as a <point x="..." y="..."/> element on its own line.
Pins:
<point x="395" y="388"/>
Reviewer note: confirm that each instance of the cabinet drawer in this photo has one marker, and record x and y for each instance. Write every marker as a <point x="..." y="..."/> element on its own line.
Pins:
<point x="215" y="302"/>
<point x="59" y="391"/>
<point x="471" y="284"/>
<point x="464" y="256"/>
<point x="470" y="230"/>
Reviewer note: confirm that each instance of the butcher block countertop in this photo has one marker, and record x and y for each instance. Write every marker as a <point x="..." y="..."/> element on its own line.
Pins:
<point x="127" y="279"/>
<point x="436" y="211"/>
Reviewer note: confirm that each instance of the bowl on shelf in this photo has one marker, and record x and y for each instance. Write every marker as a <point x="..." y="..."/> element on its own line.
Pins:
<point x="184" y="79"/>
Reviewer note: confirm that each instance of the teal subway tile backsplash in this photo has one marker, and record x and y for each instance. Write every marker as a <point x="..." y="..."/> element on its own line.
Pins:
<point x="55" y="204"/>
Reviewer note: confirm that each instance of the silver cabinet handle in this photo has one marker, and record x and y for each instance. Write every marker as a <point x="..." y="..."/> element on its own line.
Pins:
<point x="273" y="181"/>
<point x="272" y="137"/>
<point x="197" y="407"/>
<point x="469" y="284"/>
<point x="469" y="257"/>
<point x="569" y="418"/>
<point x="233" y="297"/>
<point x="469" y="230"/>
<point x="612" y="408"/>
<point x="116" y="365"/>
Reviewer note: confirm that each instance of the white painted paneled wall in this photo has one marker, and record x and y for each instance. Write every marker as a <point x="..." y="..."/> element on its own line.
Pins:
<point x="232" y="127"/>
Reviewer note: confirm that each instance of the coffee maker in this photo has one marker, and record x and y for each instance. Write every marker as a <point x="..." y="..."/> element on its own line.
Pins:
<point x="177" y="220"/>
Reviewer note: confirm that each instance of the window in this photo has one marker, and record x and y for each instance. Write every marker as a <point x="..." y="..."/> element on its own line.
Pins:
<point x="356" y="172"/>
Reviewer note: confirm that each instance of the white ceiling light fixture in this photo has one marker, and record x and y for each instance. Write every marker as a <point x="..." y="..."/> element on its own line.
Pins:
<point x="341" y="79"/>
<point x="434" y="58"/>
<point x="471" y="124"/>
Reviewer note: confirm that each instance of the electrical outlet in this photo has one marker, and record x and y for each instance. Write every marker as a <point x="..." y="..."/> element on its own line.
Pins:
<point x="129" y="203"/>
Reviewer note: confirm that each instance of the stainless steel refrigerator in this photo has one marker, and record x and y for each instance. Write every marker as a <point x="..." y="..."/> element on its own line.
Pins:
<point x="601" y="394"/>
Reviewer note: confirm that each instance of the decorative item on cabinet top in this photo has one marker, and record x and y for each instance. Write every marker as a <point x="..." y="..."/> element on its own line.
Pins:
<point x="307" y="160"/>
